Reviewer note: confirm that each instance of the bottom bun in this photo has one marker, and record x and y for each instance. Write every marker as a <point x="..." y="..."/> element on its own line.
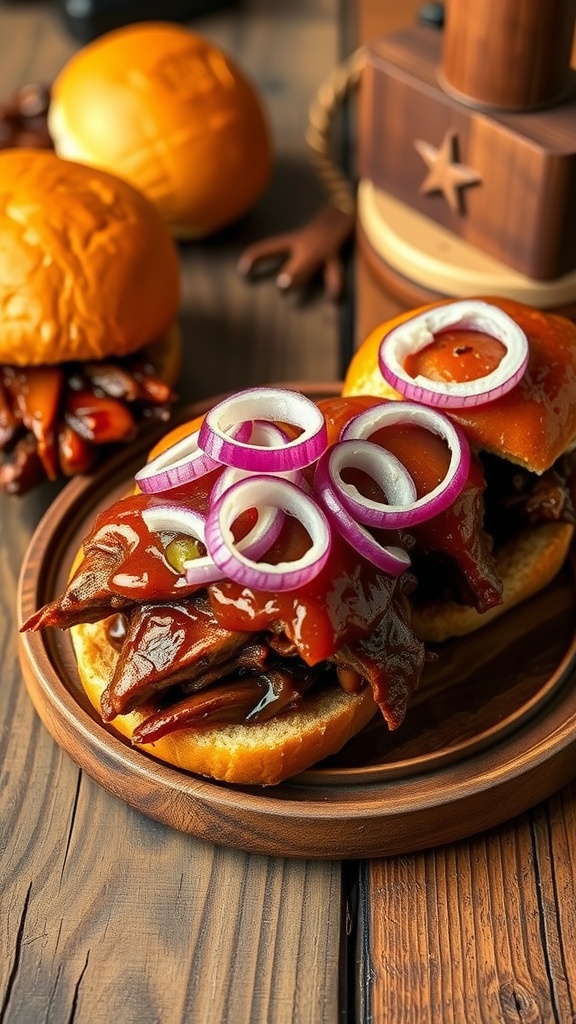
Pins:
<point x="526" y="564"/>
<point x="260" y="754"/>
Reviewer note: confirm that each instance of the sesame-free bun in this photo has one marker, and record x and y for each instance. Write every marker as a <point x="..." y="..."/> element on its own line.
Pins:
<point x="525" y="564"/>
<point x="171" y="113"/>
<point x="535" y="422"/>
<point x="257" y="754"/>
<point x="87" y="266"/>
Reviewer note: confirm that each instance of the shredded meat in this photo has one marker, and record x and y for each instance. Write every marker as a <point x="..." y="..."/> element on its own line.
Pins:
<point x="167" y="644"/>
<point x="55" y="419"/>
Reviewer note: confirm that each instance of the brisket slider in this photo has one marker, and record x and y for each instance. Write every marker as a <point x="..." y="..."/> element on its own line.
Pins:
<point x="243" y="625"/>
<point x="89" y="293"/>
<point x="247" y="672"/>
<point x="522" y="439"/>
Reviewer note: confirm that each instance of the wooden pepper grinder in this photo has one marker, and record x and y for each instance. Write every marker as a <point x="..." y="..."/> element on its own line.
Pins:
<point x="467" y="155"/>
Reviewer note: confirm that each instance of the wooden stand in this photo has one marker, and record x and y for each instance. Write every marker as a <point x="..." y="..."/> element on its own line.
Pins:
<point x="471" y="164"/>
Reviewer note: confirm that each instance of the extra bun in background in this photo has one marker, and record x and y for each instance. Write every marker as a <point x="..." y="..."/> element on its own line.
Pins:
<point x="533" y="427"/>
<point x="87" y="268"/>
<point x="172" y="114"/>
<point x="89" y="295"/>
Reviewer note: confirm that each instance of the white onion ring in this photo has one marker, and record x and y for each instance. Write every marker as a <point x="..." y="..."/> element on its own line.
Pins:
<point x="445" y="493"/>
<point x="236" y="565"/>
<point x="273" y="404"/>
<point x="381" y="465"/>
<point x="418" y="332"/>
<point x="390" y="559"/>
<point x="175" y="519"/>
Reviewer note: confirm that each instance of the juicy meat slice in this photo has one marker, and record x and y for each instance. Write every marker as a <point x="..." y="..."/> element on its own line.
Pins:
<point x="237" y="699"/>
<point x="165" y="644"/>
<point x="87" y="598"/>
<point x="390" y="659"/>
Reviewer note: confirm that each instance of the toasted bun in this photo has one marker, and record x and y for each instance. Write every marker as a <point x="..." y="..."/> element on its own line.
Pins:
<point x="173" y="115"/>
<point x="526" y="565"/>
<point x="87" y="266"/>
<point x="258" y="754"/>
<point x="535" y="422"/>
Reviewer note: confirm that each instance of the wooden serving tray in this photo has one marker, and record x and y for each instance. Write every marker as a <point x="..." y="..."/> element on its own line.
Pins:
<point x="491" y="730"/>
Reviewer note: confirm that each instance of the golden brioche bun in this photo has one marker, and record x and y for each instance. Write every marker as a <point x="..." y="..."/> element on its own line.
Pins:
<point x="258" y="754"/>
<point x="173" y="115"/>
<point x="87" y="266"/>
<point x="535" y="422"/>
<point x="526" y="564"/>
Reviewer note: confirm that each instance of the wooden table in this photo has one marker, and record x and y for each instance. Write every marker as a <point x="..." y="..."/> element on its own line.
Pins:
<point x="108" y="916"/>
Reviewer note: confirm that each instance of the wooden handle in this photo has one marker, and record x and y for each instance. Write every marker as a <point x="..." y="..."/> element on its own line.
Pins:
<point x="508" y="55"/>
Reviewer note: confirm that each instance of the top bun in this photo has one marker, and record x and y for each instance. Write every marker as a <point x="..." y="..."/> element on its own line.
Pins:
<point x="535" y="422"/>
<point x="87" y="266"/>
<point x="173" y="115"/>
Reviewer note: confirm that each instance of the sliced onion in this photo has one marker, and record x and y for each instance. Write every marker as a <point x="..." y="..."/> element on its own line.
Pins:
<point x="265" y="435"/>
<point x="417" y="333"/>
<point x="258" y="491"/>
<point x="390" y="559"/>
<point x="445" y="493"/>
<point x="381" y="465"/>
<point x="179" y="464"/>
<point x="272" y="404"/>
<point x="175" y="519"/>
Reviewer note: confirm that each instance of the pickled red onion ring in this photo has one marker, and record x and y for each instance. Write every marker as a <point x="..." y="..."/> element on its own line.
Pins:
<point x="175" y="519"/>
<point x="265" y="435"/>
<point x="381" y="465"/>
<point x="272" y="404"/>
<point x="365" y="425"/>
<point x="418" y="332"/>
<point x="237" y="565"/>
<point x="391" y="559"/>
<point x="182" y="462"/>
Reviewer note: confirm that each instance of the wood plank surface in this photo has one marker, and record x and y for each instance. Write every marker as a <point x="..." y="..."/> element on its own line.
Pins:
<point x="482" y="931"/>
<point x="104" y="914"/>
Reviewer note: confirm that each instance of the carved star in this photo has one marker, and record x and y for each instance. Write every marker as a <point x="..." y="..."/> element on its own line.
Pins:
<point x="445" y="174"/>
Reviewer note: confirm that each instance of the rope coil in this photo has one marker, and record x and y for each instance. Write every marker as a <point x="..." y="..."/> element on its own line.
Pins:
<point x="331" y="94"/>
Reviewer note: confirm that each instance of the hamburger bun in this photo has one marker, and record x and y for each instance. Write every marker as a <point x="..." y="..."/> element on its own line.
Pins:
<point x="526" y="564"/>
<point x="531" y="426"/>
<point x="87" y="267"/>
<point x="257" y="754"/>
<point x="173" y="115"/>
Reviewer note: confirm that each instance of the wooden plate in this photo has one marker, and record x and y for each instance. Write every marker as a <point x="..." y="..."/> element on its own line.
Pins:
<point x="491" y="731"/>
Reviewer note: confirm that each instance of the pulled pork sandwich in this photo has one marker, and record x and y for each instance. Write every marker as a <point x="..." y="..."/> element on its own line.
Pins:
<point x="267" y="589"/>
<point x="89" y="293"/>
<point x="243" y="654"/>
<point x="521" y="427"/>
